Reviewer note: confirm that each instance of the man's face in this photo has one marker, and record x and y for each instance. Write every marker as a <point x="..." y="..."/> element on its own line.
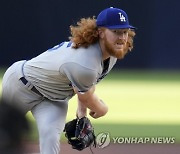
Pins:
<point x="115" y="42"/>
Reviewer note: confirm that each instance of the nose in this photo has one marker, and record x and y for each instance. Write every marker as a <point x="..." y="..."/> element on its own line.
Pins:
<point x="122" y="36"/>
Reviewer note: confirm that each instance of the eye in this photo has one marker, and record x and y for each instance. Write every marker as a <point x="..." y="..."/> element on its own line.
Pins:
<point x="125" y="32"/>
<point x="115" y="31"/>
<point x="119" y="32"/>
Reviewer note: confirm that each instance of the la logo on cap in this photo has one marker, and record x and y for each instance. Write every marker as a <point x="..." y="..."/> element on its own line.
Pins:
<point x="122" y="18"/>
<point x="113" y="18"/>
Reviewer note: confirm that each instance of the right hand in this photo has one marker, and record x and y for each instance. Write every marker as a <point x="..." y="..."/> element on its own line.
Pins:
<point x="96" y="115"/>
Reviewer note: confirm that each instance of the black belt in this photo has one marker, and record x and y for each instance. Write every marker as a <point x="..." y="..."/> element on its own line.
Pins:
<point x="33" y="88"/>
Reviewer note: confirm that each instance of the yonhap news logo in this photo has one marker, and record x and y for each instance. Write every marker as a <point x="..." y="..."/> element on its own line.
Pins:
<point x="104" y="139"/>
<point x="144" y="140"/>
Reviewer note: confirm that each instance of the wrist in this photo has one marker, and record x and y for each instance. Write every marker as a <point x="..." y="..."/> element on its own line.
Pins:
<point x="81" y="112"/>
<point x="81" y="115"/>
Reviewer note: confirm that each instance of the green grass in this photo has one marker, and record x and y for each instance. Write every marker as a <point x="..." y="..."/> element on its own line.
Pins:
<point x="141" y="103"/>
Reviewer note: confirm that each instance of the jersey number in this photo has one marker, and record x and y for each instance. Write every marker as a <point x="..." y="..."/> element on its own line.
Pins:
<point x="59" y="45"/>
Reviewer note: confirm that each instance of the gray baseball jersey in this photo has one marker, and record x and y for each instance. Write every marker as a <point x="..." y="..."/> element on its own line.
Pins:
<point x="57" y="70"/>
<point x="53" y="73"/>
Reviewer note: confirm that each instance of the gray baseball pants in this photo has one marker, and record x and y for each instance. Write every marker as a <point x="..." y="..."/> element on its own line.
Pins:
<point x="49" y="115"/>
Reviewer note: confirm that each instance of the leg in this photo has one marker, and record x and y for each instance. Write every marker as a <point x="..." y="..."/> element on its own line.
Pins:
<point x="15" y="93"/>
<point x="50" y="117"/>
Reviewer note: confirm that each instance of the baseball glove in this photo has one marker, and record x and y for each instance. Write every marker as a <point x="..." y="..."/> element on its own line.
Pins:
<point x="80" y="133"/>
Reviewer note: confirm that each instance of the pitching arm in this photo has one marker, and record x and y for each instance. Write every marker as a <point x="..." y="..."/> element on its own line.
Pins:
<point x="90" y="100"/>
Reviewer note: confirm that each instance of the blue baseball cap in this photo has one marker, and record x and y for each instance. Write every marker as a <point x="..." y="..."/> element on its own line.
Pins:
<point x="113" y="18"/>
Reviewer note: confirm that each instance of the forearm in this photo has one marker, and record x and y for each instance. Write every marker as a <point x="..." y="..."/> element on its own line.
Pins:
<point x="81" y="110"/>
<point x="96" y="105"/>
<point x="89" y="100"/>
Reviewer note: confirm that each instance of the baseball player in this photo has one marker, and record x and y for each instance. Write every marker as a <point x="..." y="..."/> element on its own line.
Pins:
<point x="45" y="84"/>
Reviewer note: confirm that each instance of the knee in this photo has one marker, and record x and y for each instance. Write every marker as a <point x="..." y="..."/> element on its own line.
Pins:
<point x="49" y="133"/>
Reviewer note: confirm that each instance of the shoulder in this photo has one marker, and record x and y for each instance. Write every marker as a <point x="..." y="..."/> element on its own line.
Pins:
<point x="75" y="69"/>
<point x="90" y="58"/>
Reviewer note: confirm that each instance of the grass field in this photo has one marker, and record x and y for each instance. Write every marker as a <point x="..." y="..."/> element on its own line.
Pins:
<point x="141" y="103"/>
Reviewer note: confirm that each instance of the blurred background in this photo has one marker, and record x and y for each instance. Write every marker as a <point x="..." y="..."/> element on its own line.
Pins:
<point x="143" y="90"/>
<point x="29" y="27"/>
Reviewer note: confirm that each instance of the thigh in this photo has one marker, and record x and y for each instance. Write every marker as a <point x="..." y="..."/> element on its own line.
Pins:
<point x="14" y="91"/>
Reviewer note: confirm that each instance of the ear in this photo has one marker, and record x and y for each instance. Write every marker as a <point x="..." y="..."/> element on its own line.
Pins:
<point x="101" y="32"/>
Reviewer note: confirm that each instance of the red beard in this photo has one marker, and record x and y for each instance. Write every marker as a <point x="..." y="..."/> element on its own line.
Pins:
<point x="119" y="54"/>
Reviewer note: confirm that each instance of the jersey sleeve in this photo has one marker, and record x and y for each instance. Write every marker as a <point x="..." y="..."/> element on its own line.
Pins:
<point x="80" y="77"/>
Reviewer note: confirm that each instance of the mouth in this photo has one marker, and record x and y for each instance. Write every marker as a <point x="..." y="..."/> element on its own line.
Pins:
<point x="119" y="45"/>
